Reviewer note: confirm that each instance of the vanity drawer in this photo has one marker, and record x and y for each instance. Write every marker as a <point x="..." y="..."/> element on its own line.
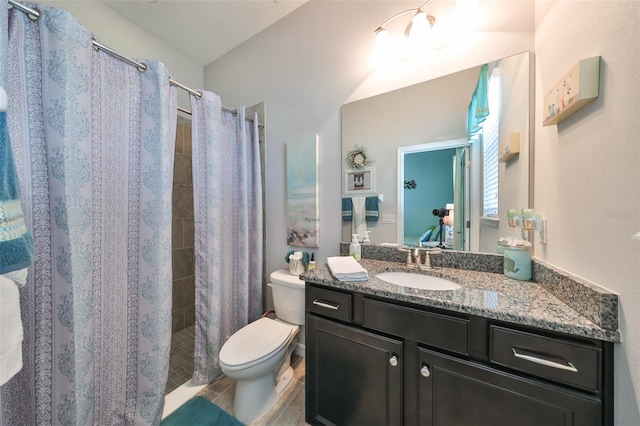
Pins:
<point x="442" y="331"/>
<point x="329" y="303"/>
<point x="555" y="359"/>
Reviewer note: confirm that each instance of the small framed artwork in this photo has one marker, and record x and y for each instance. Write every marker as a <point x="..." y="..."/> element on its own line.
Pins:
<point x="359" y="181"/>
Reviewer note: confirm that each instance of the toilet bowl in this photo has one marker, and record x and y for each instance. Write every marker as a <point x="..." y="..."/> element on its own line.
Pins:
<point x="258" y="356"/>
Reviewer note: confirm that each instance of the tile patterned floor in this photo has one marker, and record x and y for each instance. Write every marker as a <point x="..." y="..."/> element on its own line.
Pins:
<point x="181" y="358"/>
<point x="288" y="411"/>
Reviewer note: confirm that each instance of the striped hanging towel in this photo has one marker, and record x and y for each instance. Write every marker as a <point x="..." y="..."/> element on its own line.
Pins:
<point x="371" y="209"/>
<point x="16" y="243"/>
<point x="347" y="209"/>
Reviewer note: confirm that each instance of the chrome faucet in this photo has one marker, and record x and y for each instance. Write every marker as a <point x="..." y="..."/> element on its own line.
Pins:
<point x="414" y="256"/>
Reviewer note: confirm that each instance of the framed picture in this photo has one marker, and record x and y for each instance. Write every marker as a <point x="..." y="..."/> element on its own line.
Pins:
<point x="303" y="213"/>
<point x="359" y="181"/>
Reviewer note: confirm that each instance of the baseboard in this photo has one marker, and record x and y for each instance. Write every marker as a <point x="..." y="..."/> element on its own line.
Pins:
<point x="299" y="350"/>
<point x="179" y="396"/>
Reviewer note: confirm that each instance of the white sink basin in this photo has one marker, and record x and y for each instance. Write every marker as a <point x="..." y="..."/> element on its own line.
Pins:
<point x="424" y="282"/>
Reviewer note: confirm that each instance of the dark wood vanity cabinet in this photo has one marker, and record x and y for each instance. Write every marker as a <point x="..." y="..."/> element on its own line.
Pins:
<point x="462" y="393"/>
<point x="372" y="361"/>
<point x="356" y="378"/>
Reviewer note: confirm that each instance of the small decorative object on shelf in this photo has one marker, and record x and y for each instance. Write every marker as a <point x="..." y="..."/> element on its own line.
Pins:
<point x="576" y="89"/>
<point x="358" y="158"/>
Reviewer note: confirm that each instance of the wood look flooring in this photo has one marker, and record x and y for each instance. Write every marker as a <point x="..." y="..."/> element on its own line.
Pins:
<point x="288" y="411"/>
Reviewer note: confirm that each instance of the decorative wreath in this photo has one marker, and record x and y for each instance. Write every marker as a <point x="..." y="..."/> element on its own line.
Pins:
<point x="358" y="158"/>
<point x="410" y="184"/>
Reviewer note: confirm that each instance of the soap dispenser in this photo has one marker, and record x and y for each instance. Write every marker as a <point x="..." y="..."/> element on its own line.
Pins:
<point x="354" y="248"/>
<point x="367" y="239"/>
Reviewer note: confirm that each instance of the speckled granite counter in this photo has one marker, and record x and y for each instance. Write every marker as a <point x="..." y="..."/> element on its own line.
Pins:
<point x="485" y="294"/>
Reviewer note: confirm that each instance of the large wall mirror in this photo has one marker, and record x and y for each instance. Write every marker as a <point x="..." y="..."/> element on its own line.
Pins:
<point x="417" y="139"/>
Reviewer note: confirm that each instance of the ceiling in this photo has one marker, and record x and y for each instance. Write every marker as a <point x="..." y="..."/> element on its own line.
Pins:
<point x="204" y="30"/>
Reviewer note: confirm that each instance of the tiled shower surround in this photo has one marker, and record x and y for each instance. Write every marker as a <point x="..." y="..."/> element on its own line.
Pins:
<point x="183" y="310"/>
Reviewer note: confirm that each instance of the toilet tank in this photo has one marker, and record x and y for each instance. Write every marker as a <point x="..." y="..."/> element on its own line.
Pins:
<point x="288" y="296"/>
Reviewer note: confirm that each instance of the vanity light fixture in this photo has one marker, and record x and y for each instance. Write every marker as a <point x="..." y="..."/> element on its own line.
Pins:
<point x="419" y="26"/>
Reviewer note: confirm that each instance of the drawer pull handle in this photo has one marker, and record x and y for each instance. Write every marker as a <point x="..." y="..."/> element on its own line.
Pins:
<point x="393" y="361"/>
<point x="542" y="361"/>
<point x="424" y="371"/>
<point x="328" y="305"/>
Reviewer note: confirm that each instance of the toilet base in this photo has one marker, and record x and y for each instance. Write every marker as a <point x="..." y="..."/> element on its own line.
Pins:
<point x="264" y="389"/>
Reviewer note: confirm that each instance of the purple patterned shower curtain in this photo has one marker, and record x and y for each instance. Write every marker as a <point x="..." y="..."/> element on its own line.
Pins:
<point x="228" y="224"/>
<point x="93" y="140"/>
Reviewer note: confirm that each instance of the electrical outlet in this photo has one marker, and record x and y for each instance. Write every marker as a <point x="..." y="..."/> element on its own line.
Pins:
<point x="543" y="231"/>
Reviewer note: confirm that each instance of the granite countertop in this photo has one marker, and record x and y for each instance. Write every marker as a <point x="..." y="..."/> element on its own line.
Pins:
<point x="485" y="294"/>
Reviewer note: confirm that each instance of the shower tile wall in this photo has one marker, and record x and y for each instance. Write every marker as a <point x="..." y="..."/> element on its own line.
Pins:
<point x="183" y="311"/>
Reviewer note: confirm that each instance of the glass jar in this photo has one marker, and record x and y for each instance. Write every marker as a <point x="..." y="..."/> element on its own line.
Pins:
<point x="517" y="263"/>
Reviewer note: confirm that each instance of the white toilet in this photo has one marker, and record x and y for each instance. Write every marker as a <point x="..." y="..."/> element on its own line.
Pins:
<point x="258" y="356"/>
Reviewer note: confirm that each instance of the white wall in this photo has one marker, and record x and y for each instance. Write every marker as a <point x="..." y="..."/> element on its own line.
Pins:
<point x="587" y="174"/>
<point x="127" y="38"/>
<point x="305" y="70"/>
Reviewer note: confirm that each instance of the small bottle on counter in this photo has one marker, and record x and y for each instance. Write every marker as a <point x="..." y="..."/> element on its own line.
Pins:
<point x="354" y="248"/>
<point x="312" y="263"/>
<point x="367" y="239"/>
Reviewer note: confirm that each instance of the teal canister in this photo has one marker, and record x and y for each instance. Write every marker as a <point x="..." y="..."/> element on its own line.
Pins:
<point x="517" y="262"/>
<point x="503" y="243"/>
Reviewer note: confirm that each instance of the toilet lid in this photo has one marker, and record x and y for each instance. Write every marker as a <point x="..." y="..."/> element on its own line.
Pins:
<point x="254" y="341"/>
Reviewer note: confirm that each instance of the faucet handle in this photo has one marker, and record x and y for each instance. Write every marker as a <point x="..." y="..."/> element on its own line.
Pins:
<point x="427" y="257"/>
<point x="408" y="251"/>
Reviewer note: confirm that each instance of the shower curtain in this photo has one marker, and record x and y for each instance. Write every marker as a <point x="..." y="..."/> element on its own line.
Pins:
<point x="228" y="224"/>
<point x="93" y="140"/>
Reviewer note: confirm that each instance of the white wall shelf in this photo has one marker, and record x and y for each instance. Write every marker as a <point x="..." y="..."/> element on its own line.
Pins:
<point x="509" y="148"/>
<point x="577" y="88"/>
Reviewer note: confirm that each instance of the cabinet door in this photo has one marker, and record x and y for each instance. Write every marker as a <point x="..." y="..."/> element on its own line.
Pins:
<point x="456" y="392"/>
<point x="353" y="377"/>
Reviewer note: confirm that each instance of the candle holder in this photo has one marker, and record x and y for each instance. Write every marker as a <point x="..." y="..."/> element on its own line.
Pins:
<point x="513" y="218"/>
<point x="527" y="220"/>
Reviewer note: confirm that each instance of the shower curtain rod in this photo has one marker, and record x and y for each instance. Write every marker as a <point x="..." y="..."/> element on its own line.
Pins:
<point x="34" y="14"/>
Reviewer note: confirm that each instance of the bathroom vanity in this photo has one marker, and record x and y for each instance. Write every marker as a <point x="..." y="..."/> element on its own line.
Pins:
<point x="495" y="352"/>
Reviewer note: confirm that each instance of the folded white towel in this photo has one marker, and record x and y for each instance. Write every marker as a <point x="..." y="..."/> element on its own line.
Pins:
<point x="346" y="268"/>
<point x="10" y="328"/>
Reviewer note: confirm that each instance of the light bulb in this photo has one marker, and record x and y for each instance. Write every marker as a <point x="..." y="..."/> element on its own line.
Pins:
<point x="382" y="50"/>
<point x="419" y="25"/>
